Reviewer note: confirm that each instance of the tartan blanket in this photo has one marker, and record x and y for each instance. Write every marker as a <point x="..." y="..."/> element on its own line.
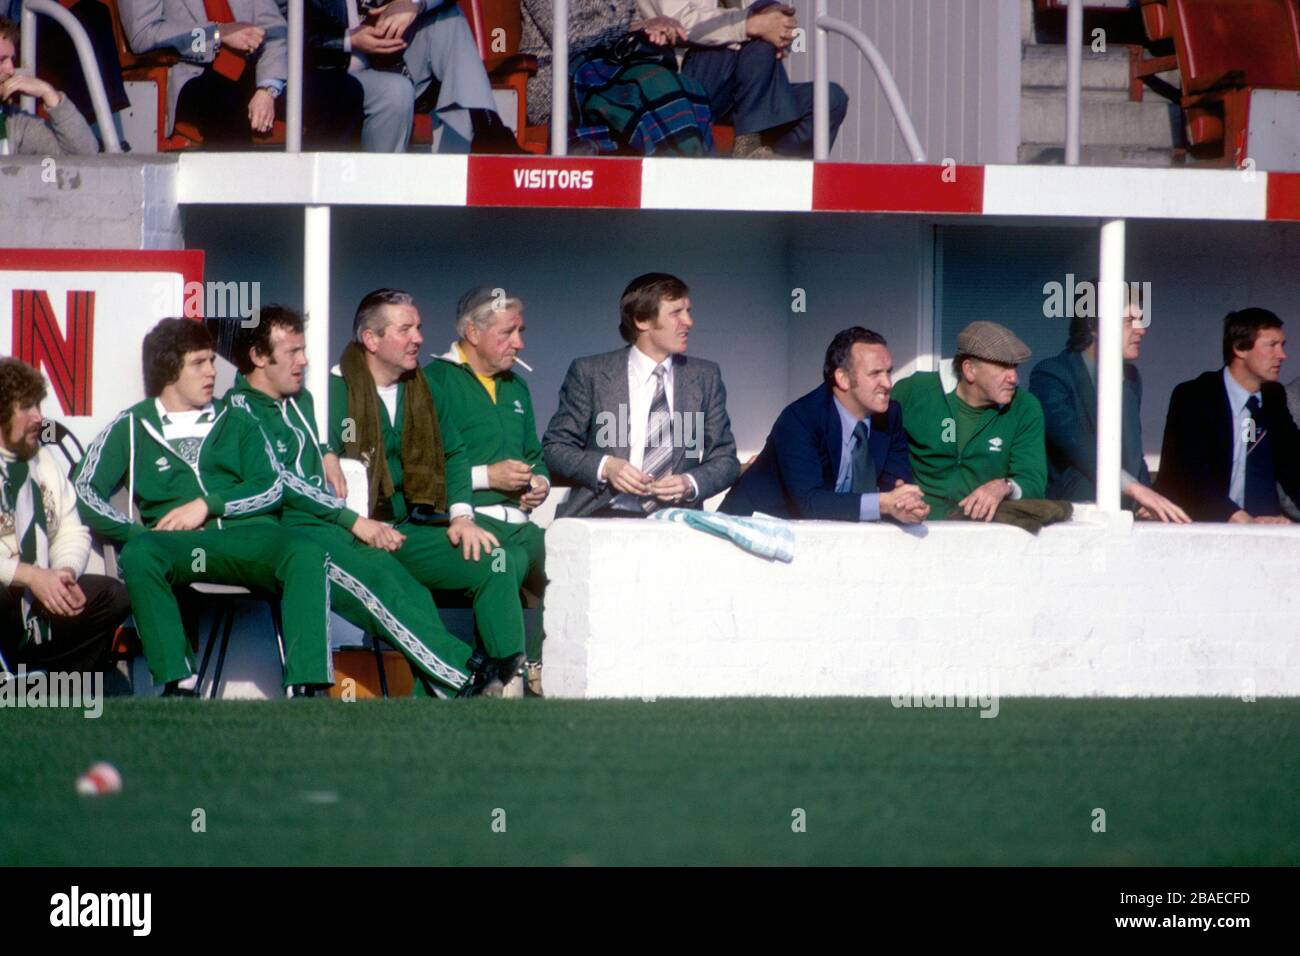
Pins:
<point x="759" y="534"/>
<point x="639" y="106"/>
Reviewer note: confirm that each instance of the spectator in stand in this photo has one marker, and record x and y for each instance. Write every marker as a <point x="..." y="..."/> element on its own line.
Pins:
<point x="400" y="52"/>
<point x="626" y="95"/>
<point x="57" y="62"/>
<point x="1229" y="439"/>
<point x="51" y="614"/>
<point x="234" y="63"/>
<point x="1066" y="386"/>
<point x="736" y="54"/>
<point x="65" y="132"/>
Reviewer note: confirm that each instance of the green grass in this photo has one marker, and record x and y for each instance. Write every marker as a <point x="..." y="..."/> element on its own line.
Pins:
<point x="1182" y="782"/>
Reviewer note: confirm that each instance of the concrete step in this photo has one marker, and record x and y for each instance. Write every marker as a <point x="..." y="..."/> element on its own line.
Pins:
<point x="1109" y="119"/>
<point x="1046" y="154"/>
<point x="1045" y="66"/>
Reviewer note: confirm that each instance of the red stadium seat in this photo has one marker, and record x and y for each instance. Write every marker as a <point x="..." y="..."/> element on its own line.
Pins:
<point x="1226" y="49"/>
<point x="1157" y="24"/>
<point x="497" y="26"/>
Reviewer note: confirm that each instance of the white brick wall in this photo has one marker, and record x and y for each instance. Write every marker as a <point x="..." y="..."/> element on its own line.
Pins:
<point x="1091" y="608"/>
<point x="89" y="202"/>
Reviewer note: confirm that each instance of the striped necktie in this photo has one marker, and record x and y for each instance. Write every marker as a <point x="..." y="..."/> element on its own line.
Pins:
<point x="23" y="498"/>
<point x="658" y="456"/>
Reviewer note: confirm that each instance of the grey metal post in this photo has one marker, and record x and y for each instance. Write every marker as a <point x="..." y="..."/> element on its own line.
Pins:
<point x="821" y="87"/>
<point x="1073" y="80"/>
<point x="27" y="54"/>
<point x="293" y="95"/>
<point x="560" y="79"/>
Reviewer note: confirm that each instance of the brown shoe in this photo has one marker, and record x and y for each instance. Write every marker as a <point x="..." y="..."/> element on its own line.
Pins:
<point x="533" y="688"/>
<point x="750" y="146"/>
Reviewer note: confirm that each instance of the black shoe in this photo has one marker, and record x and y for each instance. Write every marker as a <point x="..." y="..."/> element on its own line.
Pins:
<point x="508" y="679"/>
<point x="174" y="689"/>
<point x="480" y="672"/>
<point x="493" y="136"/>
<point x="309" y="690"/>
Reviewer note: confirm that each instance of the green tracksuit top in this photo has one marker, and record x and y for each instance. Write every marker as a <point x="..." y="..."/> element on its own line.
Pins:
<point x="234" y="473"/>
<point x="1008" y="442"/>
<point x="290" y="426"/>
<point x="492" y="431"/>
<point x="453" y="446"/>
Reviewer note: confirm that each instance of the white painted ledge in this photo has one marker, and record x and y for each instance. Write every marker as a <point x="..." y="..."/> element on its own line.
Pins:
<point x="1096" y="607"/>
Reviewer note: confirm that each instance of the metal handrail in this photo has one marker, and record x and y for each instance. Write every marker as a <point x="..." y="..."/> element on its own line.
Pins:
<point x="821" y="90"/>
<point x="560" y="78"/>
<point x="1073" y="80"/>
<point x="89" y="65"/>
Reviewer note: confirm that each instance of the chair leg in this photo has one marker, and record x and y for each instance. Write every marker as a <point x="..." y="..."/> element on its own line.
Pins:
<point x="218" y="614"/>
<point x="277" y="624"/>
<point x="379" y="663"/>
<point x="221" y="654"/>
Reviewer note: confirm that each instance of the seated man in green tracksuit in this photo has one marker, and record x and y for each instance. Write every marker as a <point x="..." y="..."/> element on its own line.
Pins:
<point x="209" y="495"/>
<point x="493" y="411"/>
<point x="974" y="438"/>
<point x="385" y="413"/>
<point x="368" y="586"/>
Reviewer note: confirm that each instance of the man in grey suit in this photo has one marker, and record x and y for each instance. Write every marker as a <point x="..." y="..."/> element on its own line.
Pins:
<point x="643" y="427"/>
<point x="229" y="58"/>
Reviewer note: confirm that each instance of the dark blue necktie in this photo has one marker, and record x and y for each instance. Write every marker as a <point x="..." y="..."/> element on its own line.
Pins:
<point x="1261" y="488"/>
<point x="864" y="469"/>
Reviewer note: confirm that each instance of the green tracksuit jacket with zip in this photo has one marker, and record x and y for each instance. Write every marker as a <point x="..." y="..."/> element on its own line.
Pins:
<point x="369" y="586"/>
<point x="493" y="432"/>
<point x="241" y="542"/>
<point x="1007" y="443"/>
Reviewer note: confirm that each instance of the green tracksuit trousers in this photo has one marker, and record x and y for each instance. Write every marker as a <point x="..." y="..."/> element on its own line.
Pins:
<point x="525" y="546"/>
<point x="371" y="589"/>
<point x="491" y="582"/>
<point x="258" y="557"/>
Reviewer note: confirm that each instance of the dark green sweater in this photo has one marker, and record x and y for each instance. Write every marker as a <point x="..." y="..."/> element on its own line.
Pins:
<point x="1006" y="443"/>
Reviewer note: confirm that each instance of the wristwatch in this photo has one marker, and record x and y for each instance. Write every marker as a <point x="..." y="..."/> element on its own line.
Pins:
<point x="274" y="91"/>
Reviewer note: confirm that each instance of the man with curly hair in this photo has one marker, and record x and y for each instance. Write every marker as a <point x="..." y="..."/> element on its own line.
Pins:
<point x="52" y="614"/>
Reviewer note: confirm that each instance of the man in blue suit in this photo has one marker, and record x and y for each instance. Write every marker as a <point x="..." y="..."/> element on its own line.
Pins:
<point x="1066" y="386"/>
<point x="839" y="453"/>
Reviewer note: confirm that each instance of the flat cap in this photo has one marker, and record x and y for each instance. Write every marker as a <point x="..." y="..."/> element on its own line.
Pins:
<point x="993" y="343"/>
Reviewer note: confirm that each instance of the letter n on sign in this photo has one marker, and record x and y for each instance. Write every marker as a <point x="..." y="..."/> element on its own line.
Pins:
<point x="66" y="359"/>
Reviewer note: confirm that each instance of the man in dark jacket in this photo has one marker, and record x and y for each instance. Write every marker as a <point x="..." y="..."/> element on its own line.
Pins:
<point x="1229" y="439"/>
<point x="1066" y="386"/>
<point x="839" y="452"/>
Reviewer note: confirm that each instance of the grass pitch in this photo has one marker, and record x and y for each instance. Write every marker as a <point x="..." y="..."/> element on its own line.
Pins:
<point x="1182" y="782"/>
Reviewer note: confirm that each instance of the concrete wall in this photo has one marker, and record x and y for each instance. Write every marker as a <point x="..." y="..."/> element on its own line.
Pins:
<point x="101" y="202"/>
<point x="957" y="65"/>
<point x="1088" y="608"/>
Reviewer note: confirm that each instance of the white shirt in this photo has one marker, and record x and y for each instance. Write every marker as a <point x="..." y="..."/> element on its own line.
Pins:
<point x="388" y="395"/>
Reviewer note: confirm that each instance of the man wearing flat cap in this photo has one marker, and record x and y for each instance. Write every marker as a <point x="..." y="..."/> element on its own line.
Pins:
<point x="974" y="438"/>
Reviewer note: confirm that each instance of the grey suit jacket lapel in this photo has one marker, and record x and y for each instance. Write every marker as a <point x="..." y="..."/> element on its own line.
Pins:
<point x="613" y="395"/>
